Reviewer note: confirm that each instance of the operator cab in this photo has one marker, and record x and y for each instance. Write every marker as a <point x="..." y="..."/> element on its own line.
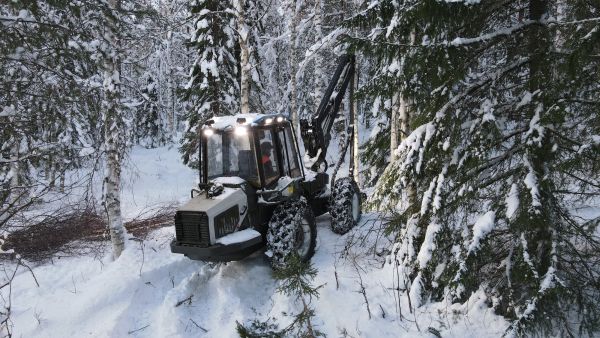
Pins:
<point x="259" y="149"/>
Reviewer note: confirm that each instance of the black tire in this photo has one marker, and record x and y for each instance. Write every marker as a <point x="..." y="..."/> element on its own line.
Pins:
<point x="292" y="229"/>
<point x="345" y="197"/>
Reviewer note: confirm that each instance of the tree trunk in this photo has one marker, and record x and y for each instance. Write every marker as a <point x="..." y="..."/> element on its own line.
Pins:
<point x="537" y="231"/>
<point x="355" y="123"/>
<point x="404" y="104"/>
<point x="561" y="15"/>
<point x="294" y="68"/>
<point x="394" y="126"/>
<point x="15" y="168"/>
<point x="242" y="29"/>
<point x="411" y="191"/>
<point x="112" y="137"/>
<point x="404" y="117"/>
<point x="170" y="88"/>
<point x="318" y="93"/>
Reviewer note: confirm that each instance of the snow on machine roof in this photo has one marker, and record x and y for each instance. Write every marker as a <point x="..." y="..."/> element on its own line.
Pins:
<point x="226" y="122"/>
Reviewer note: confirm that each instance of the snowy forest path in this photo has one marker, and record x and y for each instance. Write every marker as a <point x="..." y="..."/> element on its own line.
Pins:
<point x="154" y="293"/>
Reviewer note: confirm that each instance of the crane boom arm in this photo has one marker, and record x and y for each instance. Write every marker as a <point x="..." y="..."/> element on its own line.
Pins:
<point x="316" y="131"/>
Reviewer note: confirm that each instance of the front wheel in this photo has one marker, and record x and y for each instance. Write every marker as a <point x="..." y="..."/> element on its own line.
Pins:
<point x="344" y="205"/>
<point x="292" y="230"/>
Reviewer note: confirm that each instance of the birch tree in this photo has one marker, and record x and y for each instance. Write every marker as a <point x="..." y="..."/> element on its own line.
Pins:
<point x="113" y="128"/>
<point x="245" y="67"/>
<point x="319" y="63"/>
<point x="292" y="9"/>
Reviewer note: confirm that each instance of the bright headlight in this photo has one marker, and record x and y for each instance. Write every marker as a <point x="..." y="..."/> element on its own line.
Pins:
<point x="241" y="131"/>
<point x="208" y="132"/>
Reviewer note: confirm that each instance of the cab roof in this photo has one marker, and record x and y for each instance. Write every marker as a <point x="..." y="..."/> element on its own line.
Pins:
<point x="227" y="122"/>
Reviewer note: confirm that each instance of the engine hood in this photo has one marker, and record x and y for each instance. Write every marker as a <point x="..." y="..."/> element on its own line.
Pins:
<point x="213" y="206"/>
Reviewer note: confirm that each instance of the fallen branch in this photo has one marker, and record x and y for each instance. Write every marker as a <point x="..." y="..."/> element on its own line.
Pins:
<point x="75" y="231"/>
<point x="198" y="326"/>
<point x="140" y="329"/>
<point x="189" y="300"/>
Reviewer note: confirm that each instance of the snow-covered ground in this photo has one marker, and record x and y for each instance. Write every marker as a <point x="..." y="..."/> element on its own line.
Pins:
<point x="137" y="295"/>
<point x="153" y="177"/>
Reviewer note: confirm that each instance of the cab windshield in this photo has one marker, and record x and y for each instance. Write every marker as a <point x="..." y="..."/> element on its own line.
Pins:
<point x="231" y="154"/>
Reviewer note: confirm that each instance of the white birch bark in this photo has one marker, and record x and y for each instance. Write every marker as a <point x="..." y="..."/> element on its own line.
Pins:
<point x="411" y="191"/>
<point x="294" y="67"/>
<point x="245" y="68"/>
<point x="112" y="137"/>
<point x="170" y="85"/>
<point x="319" y="64"/>
<point x="404" y="114"/>
<point x="14" y="166"/>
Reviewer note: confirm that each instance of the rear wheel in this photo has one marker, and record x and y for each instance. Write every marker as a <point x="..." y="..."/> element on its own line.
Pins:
<point x="292" y="230"/>
<point x="345" y="205"/>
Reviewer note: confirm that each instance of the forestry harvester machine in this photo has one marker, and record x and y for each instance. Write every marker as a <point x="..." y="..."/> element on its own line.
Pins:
<point x="254" y="188"/>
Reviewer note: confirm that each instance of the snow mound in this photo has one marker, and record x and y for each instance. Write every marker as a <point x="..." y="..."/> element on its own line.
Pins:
<point x="239" y="237"/>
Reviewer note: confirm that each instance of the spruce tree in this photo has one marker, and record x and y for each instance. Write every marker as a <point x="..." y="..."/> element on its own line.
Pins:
<point x="213" y="87"/>
<point x="503" y="156"/>
<point x="295" y="280"/>
<point x="150" y="127"/>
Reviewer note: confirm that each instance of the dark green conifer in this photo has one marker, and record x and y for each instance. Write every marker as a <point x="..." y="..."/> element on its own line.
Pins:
<point x="504" y="154"/>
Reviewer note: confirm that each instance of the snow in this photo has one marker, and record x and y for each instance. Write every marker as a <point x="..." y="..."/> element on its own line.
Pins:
<point x="309" y="175"/>
<point x="153" y="177"/>
<point x="209" y="66"/>
<point x="86" y="151"/>
<point x="234" y="180"/>
<point x="525" y="100"/>
<point x="137" y="294"/>
<point x="548" y="281"/>
<point x="239" y="237"/>
<point x="226" y="193"/>
<point x="224" y="122"/>
<point x="310" y="161"/>
<point x="512" y="201"/>
<point x="283" y="182"/>
<point x="531" y="182"/>
<point x="428" y="246"/>
<point x="416" y="290"/>
<point x="459" y="41"/>
<point x="466" y="2"/>
<point x="427" y="197"/>
<point x="483" y="226"/>
<point x="8" y="111"/>
<point x="526" y="256"/>
<point x="100" y="298"/>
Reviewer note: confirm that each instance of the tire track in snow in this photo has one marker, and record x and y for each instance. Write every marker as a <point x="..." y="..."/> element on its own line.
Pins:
<point x="221" y="295"/>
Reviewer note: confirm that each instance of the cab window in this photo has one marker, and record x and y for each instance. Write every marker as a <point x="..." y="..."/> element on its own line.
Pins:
<point x="230" y="154"/>
<point x="292" y="153"/>
<point x="283" y="151"/>
<point x="268" y="158"/>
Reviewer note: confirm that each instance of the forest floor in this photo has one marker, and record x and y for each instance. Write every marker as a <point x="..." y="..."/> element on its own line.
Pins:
<point x="150" y="292"/>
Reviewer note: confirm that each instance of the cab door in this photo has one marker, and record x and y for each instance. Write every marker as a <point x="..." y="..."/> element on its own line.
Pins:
<point x="289" y="152"/>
